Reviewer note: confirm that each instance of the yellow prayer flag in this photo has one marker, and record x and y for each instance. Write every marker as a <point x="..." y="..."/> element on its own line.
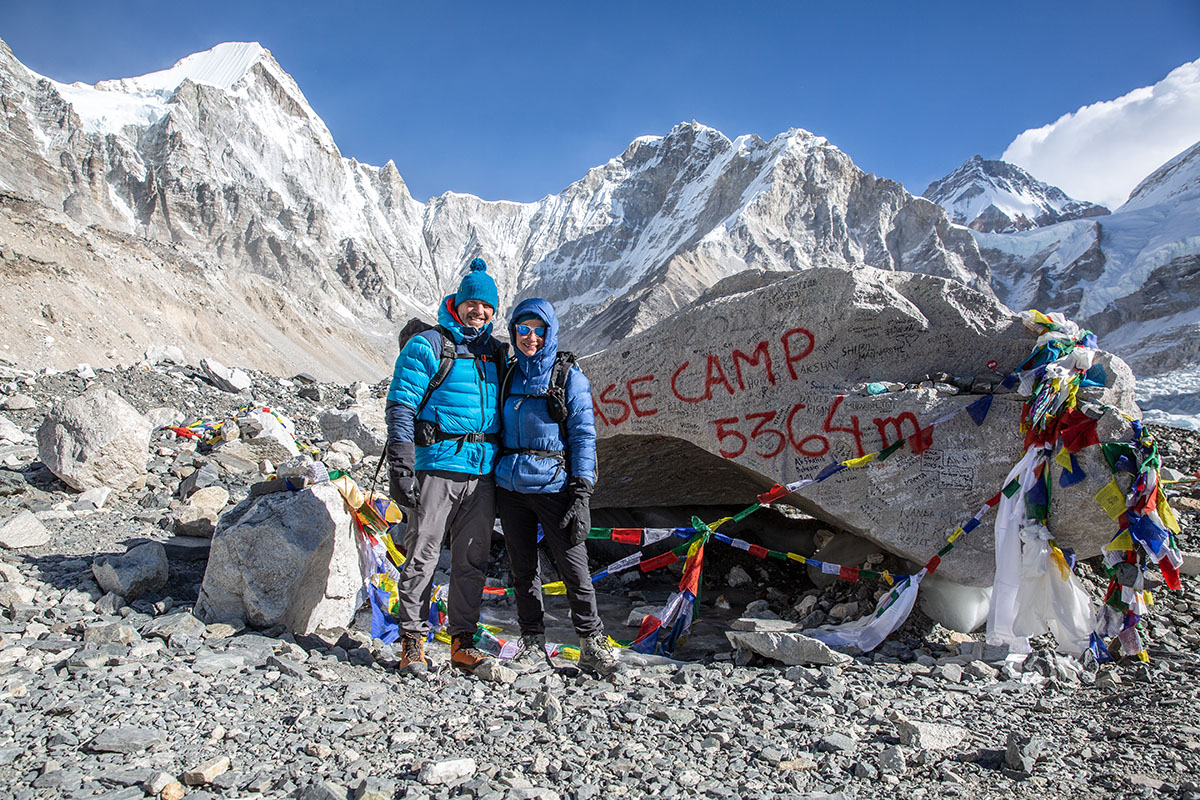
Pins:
<point x="397" y="556"/>
<point x="558" y="587"/>
<point x="957" y="533"/>
<point x="1148" y="596"/>
<point x="1063" y="459"/>
<point x="1060" y="561"/>
<point x="1072" y="401"/>
<point x="1166" y="514"/>
<point x="861" y="461"/>
<point x="1112" y="500"/>
<point x="1123" y="543"/>
<point x="797" y="557"/>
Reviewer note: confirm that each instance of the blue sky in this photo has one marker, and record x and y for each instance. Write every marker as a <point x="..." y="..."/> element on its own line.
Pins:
<point x="513" y="101"/>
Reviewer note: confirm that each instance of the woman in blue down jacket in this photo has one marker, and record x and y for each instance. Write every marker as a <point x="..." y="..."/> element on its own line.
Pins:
<point x="545" y="474"/>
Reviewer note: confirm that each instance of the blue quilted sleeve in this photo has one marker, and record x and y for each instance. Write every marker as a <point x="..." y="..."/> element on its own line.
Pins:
<point x="581" y="426"/>
<point x="415" y="367"/>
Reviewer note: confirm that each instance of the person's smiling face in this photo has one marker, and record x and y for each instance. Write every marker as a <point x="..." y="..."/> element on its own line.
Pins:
<point x="529" y="343"/>
<point x="475" y="313"/>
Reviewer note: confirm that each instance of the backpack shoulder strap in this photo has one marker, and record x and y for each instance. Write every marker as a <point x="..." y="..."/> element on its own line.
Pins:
<point x="443" y="345"/>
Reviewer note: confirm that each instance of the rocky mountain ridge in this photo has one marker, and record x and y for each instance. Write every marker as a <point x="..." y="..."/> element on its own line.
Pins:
<point x="222" y="159"/>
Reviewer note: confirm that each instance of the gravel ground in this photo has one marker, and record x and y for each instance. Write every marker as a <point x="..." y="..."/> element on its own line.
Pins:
<point x="103" y="699"/>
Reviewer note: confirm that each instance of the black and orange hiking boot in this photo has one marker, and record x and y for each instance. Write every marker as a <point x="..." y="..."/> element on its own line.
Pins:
<point x="412" y="654"/>
<point x="463" y="653"/>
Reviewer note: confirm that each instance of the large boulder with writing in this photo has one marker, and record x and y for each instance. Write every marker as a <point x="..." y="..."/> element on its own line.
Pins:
<point x="287" y="558"/>
<point x="95" y="439"/>
<point x="772" y="378"/>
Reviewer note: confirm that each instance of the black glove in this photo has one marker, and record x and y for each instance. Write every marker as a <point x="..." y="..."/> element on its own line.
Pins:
<point x="577" y="522"/>
<point x="402" y="480"/>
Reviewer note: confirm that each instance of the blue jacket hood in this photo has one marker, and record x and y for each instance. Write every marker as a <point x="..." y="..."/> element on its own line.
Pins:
<point x="541" y="362"/>
<point x="460" y="332"/>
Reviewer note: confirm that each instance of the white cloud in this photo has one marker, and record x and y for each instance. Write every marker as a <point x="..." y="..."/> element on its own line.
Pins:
<point x="1102" y="151"/>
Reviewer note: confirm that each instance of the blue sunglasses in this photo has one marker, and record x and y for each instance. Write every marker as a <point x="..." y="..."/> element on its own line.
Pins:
<point x="525" y="330"/>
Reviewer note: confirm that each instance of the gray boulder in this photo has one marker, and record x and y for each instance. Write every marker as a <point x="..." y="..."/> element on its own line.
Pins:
<point x="790" y="648"/>
<point x="362" y="424"/>
<point x="199" y="515"/>
<point x="225" y="378"/>
<point x="773" y="384"/>
<point x="95" y="439"/>
<point x="142" y="569"/>
<point x="23" y="530"/>
<point x="286" y="558"/>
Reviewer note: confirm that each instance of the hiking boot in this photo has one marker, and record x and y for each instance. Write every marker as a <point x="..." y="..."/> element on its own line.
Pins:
<point x="596" y="655"/>
<point x="412" y="654"/>
<point x="531" y="653"/>
<point x="463" y="653"/>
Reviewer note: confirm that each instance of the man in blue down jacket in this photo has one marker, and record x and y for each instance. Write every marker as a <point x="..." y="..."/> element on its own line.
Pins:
<point x="442" y="454"/>
<point x="546" y="473"/>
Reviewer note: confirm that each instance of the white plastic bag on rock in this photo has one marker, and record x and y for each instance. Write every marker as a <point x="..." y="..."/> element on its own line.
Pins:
<point x="1050" y="597"/>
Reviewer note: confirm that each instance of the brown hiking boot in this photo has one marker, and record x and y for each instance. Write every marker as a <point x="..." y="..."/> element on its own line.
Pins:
<point x="412" y="654"/>
<point x="463" y="653"/>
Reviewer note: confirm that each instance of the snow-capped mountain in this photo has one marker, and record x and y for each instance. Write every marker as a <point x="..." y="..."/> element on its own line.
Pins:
<point x="207" y="205"/>
<point x="223" y="158"/>
<point x="998" y="197"/>
<point x="1133" y="277"/>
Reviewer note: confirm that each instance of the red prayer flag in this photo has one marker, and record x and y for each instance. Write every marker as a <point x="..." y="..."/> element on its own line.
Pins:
<point x="758" y="550"/>
<point x="1170" y="575"/>
<point x="627" y="535"/>
<point x="921" y="441"/>
<point x="771" y="495"/>
<point x="848" y="573"/>
<point x="1078" y="431"/>
<point x="658" y="561"/>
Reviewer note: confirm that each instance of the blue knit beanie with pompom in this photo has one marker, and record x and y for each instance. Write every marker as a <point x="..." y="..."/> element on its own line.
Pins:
<point x="477" y="285"/>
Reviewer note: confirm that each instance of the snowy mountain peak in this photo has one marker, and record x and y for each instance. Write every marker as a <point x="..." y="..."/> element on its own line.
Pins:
<point x="221" y="66"/>
<point x="1179" y="176"/>
<point x="113" y="105"/>
<point x="998" y="197"/>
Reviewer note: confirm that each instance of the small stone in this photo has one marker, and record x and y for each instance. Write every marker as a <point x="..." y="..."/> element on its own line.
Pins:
<point x="204" y="773"/>
<point x="157" y="782"/>
<point x="929" y="735"/>
<point x="837" y="743"/>
<point x="142" y="569"/>
<point x="172" y="791"/>
<point x="1022" y="752"/>
<point x="738" y="577"/>
<point x="447" y="772"/>
<point x="23" y="530"/>
<point x="951" y="673"/>
<point x="891" y="761"/>
<point x="126" y="740"/>
<point x="492" y="670"/>
<point x="19" y="402"/>
<point x="374" y="788"/>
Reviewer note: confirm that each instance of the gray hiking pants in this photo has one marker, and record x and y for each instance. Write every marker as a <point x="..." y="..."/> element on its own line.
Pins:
<point x="520" y="515"/>
<point x="465" y="507"/>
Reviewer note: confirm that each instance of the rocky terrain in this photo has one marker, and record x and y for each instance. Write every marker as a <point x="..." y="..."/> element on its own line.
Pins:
<point x="100" y="697"/>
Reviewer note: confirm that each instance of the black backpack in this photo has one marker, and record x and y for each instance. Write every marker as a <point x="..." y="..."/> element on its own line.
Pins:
<point x="449" y="354"/>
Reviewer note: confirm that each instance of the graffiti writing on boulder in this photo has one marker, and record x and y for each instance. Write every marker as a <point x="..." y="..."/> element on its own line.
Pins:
<point x="812" y="426"/>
